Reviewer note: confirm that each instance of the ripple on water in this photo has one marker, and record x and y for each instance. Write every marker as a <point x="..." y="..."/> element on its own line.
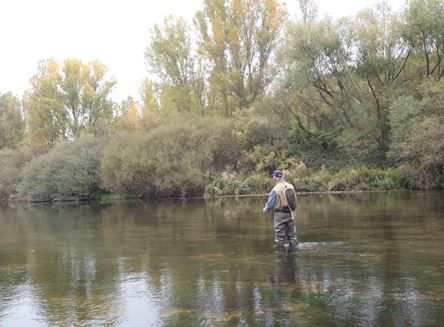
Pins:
<point x="313" y="246"/>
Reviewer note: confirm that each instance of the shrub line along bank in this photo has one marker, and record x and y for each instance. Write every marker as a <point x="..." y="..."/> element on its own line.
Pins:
<point x="204" y="157"/>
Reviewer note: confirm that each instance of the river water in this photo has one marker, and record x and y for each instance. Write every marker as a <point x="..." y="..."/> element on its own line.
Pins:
<point x="370" y="259"/>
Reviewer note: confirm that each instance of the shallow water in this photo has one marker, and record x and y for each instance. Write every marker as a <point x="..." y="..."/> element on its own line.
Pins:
<point x="372" y="259"/>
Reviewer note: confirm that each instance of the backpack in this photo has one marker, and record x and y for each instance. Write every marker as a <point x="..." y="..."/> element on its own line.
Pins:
<point x="290" y="195"/>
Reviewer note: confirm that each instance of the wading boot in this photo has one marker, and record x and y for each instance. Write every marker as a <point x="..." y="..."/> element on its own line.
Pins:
<point x="293" y="247"/>
<point x="280" y="248"/>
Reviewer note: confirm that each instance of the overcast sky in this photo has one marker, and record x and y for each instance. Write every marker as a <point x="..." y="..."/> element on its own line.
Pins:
<point x="114" y="31"/>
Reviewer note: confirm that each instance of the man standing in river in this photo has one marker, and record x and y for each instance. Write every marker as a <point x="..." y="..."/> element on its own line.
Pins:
<point x="283" y="216"/>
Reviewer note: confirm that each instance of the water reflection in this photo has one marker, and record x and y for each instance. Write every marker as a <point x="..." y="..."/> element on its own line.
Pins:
<point x="367" y="259"/>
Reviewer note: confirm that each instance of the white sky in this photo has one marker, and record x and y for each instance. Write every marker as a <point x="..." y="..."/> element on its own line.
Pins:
<point x="114" y="31"/>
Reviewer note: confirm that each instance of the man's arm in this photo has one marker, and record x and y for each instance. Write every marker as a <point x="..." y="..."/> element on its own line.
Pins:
<point x="270" y="202"/>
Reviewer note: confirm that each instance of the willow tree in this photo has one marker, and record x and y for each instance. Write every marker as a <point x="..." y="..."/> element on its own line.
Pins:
<point x="382" y="57"/>
<point x="316" y="59"/>
<point x="345" y="73"/>
<point x="425" y="28"/>
<point x="236" y="40"/>
<point x="65" y="100"/>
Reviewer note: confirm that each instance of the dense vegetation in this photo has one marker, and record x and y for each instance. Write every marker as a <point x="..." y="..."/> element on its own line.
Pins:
<point x="355" y="103"/>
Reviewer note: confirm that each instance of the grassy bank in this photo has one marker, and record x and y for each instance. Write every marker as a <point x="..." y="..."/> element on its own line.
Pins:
<point x="349" y="179"/>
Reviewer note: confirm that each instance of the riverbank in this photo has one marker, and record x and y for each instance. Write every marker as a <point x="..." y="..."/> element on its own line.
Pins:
<point x="321" y="181"/>
<point x="231" y="184"/>
<point x="82" y="171"/>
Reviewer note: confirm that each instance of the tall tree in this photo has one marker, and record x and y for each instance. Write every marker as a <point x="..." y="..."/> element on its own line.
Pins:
<point x="345" y="74"/>
<point x="382" y="56"/>
<point x="171" y="58"/>
<point x="425" y="28"/>
<point x="64" y="100"/>
<point x="309" y="10"/>
<point x="46" y="116"/>
<point x="11" y="121"/>
<point x="85" y="91"/>
<point x="236" y="42"/>
<point x="316" y="59"/>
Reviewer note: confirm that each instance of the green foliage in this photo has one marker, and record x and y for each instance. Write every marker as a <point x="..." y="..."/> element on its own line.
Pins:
<point x="304" y="181"/>
<point x="417" y="132"/>
<point x="363" y="178"/>
<point x="236" y="42"/>
<point x="348" y="94"/>
<point x="173" y="159"/>
<point x="47" y="118"/>
<point x="12" y="124"/>
<point x="106" y="198"/>
<point x="147" y="92"/>
<point x="347" y="180"/>
<point x="66" y="100"/>
<point x="314" y="147"/>
<point x="226" y="184"/>
<point x="256" y="184"/>
<point x="169" y="53"/>
<point x="421" y="178"/>
<point x="359" y="179"/>
<point x="234" y="184"/>
<point x="424" y="27"/>
<point x="432" y="97"/>
<point x="403" y="113"/>
<point x="317" y="77"/>
<point x="264" y="139"/>
<point x="253" y="129"/>
<point x="344" y="77"/>
<point x="360" y="146"/>
<point x="70" y="171"/>
<point x="170" y="56"/>
<point x="12" y="163"/>
<point x="262" y="158"/>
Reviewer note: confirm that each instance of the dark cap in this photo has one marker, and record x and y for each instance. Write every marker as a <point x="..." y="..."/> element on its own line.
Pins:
<point x="277" y="173"/>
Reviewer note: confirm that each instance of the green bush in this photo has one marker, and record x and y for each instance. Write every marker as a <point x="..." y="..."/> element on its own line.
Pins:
<point x="12" y="163"/>
<point x="256" y="184"/>
<point x="233" y="184"/>
<point x="309" y="184"/>
<point x="173" y="159"/>
<point x="402" y="114"/>
<point x="263" y="137"/>
<point x="226" y="184"/>
<point x="298" y="175"/>
<point x="439" y="183"/>
<point x="344" y="180"/>
<point x="362" y="179"/>
<point x="421" y="177"/>
<point x="70" y="171"/>
<point x="416" y="131"/>
<point x="12" y="124"/>
<point x="359" y="179"/>
<point x="393" y="179"/>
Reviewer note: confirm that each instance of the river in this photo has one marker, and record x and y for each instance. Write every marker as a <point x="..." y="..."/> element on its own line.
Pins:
<point x="365" y="259"/>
